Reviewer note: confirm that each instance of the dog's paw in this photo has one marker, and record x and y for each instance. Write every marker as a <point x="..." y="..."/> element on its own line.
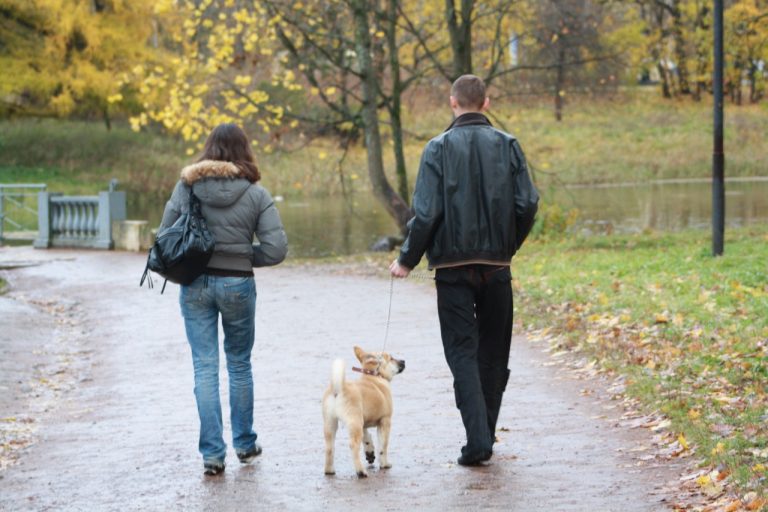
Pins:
<point x="362" y="474"/>
<point x="330" y="472"/>
<point x="386" y="466"/>
<point x="370" y="457"/>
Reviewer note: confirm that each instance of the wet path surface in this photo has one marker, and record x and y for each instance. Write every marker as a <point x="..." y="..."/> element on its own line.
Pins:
<point x="115" y="425"/>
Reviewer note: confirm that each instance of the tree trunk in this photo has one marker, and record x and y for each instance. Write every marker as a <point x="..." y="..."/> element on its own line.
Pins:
<point x="395" y="108"/>
<point x="460" y="32"/>
<point x="701" y="69"/>
<point x="754" y="96"/>
<point x="665" y="88"/>
<point x="678" y="35"/>
<point x="393" y="203"/>
<point x="702" y="15"/>
<point x="657" y="52"/>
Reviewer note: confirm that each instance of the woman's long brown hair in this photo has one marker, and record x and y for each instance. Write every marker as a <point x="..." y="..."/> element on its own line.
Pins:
<point x="228" y="142"/>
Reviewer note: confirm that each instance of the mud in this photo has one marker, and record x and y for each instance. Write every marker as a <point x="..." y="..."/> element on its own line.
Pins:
<point x="114" y="425"/>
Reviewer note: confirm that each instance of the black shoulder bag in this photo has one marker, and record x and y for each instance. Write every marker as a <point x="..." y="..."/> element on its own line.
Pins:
<point x="181" y="252"/>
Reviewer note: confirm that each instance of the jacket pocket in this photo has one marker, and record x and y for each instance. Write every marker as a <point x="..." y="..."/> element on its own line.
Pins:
<point x="239" y="290"/>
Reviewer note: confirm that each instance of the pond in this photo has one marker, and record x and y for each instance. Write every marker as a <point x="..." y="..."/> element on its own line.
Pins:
<point x="664" y="205"/>
<point x="332" y="226"/>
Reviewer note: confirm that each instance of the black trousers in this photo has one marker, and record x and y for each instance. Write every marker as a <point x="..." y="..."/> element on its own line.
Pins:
<point x="474" y="304"/>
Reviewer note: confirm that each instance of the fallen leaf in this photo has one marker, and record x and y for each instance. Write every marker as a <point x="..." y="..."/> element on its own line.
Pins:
<point x="722" y="475"/>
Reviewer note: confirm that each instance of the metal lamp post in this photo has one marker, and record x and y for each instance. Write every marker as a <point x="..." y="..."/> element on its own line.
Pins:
<point x="718" y="156"/>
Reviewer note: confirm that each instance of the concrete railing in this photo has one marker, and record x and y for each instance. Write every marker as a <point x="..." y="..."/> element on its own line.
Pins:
<point x="79" y="221"/>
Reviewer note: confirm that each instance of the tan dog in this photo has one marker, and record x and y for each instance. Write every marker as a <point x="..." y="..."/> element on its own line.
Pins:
<point x="361" y="404"/>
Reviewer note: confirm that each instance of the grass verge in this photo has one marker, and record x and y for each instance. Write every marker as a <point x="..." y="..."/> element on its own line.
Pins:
<point x="689" y="332"/>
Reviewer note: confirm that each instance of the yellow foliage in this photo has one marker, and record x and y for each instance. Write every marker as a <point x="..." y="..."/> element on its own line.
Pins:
<point x="72" y="53"/>
<point x="213" y="76"/>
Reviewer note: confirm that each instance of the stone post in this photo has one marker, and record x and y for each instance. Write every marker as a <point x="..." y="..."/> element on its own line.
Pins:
<point x="44" y="228"/>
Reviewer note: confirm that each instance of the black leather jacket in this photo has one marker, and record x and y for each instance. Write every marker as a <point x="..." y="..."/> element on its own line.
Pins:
<point x="474" y="202"/>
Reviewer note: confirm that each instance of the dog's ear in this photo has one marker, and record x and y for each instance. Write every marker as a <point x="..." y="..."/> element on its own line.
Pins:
<point x="359" y="353"/>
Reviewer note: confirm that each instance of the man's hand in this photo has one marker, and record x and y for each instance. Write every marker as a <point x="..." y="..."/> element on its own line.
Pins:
<point x="397" y="270"/>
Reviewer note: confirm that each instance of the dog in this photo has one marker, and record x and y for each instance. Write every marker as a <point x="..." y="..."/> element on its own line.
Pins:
<point x="360" y="404"/>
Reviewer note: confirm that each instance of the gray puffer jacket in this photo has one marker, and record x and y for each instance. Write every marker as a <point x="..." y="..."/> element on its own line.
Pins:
<point x="235" y="209"/>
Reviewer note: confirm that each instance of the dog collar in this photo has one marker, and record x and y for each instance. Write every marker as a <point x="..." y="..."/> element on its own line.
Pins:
<point x="375" y="373"/>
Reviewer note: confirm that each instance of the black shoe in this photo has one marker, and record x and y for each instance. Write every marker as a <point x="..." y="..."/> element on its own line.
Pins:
<point x="213" y="468"/>
<point x="251" y="454"/>
<point x="474" y="460"/>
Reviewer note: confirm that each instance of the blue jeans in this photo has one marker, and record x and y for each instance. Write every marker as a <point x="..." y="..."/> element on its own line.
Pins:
<point x="234" y="298"/>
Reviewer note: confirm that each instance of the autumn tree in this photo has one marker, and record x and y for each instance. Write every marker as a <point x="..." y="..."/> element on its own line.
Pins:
<point x="464" y="36"/>
<point x="219" y="66"/>
<point x="678" y="40"/>
<point x="746" y="46"/>
<point x="575" y="45"/>
<point x="348" y="52"/>
<point x="62" y="57"/>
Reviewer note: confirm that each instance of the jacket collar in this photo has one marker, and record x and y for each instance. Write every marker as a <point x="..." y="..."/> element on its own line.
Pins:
<point x="209" y="169"/>
<point x="470" y="119"/>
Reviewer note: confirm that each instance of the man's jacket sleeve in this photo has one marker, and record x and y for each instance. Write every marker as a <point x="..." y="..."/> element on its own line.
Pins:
<point x="427" y="207"/>
<point x="526" y="196"/>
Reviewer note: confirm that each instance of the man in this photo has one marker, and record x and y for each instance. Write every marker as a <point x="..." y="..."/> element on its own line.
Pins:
<point x="474" y="205"/>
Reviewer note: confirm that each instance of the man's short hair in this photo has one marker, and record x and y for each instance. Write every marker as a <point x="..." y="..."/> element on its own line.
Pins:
<point x="469" y="91"/>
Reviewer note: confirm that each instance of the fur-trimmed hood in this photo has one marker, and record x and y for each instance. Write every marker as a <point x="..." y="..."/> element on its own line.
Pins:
<point x="215" y="182"/>
<point x="210" y="169"/>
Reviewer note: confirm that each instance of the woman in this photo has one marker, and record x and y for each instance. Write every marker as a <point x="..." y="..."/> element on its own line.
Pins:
<point x="235" y="207"/>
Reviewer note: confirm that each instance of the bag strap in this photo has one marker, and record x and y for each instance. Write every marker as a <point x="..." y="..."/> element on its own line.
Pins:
<point x="195" y="206"/>
<point x="148" y="276"/>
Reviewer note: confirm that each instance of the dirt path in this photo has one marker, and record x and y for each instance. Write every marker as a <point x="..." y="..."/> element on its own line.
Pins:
<point x="102" y="386"/>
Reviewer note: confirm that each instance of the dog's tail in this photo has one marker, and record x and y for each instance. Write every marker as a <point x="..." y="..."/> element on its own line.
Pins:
<point x="337" y="376"/>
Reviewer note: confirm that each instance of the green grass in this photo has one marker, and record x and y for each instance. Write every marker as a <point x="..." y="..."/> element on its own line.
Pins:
<point x="689" y="331"/>
<point x="78" y="157"/>
<point x="638" y="138"/>
<point x="634" y="136"/>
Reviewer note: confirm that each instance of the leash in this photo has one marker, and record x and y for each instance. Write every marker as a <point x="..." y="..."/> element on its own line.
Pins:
<point x="416" y="275"/>
<point x="389" y="311"/>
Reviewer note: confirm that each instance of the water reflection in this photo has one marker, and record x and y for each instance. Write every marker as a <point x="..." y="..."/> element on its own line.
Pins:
<point x="663" y="206"/>
<point x="331" y="226"/>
